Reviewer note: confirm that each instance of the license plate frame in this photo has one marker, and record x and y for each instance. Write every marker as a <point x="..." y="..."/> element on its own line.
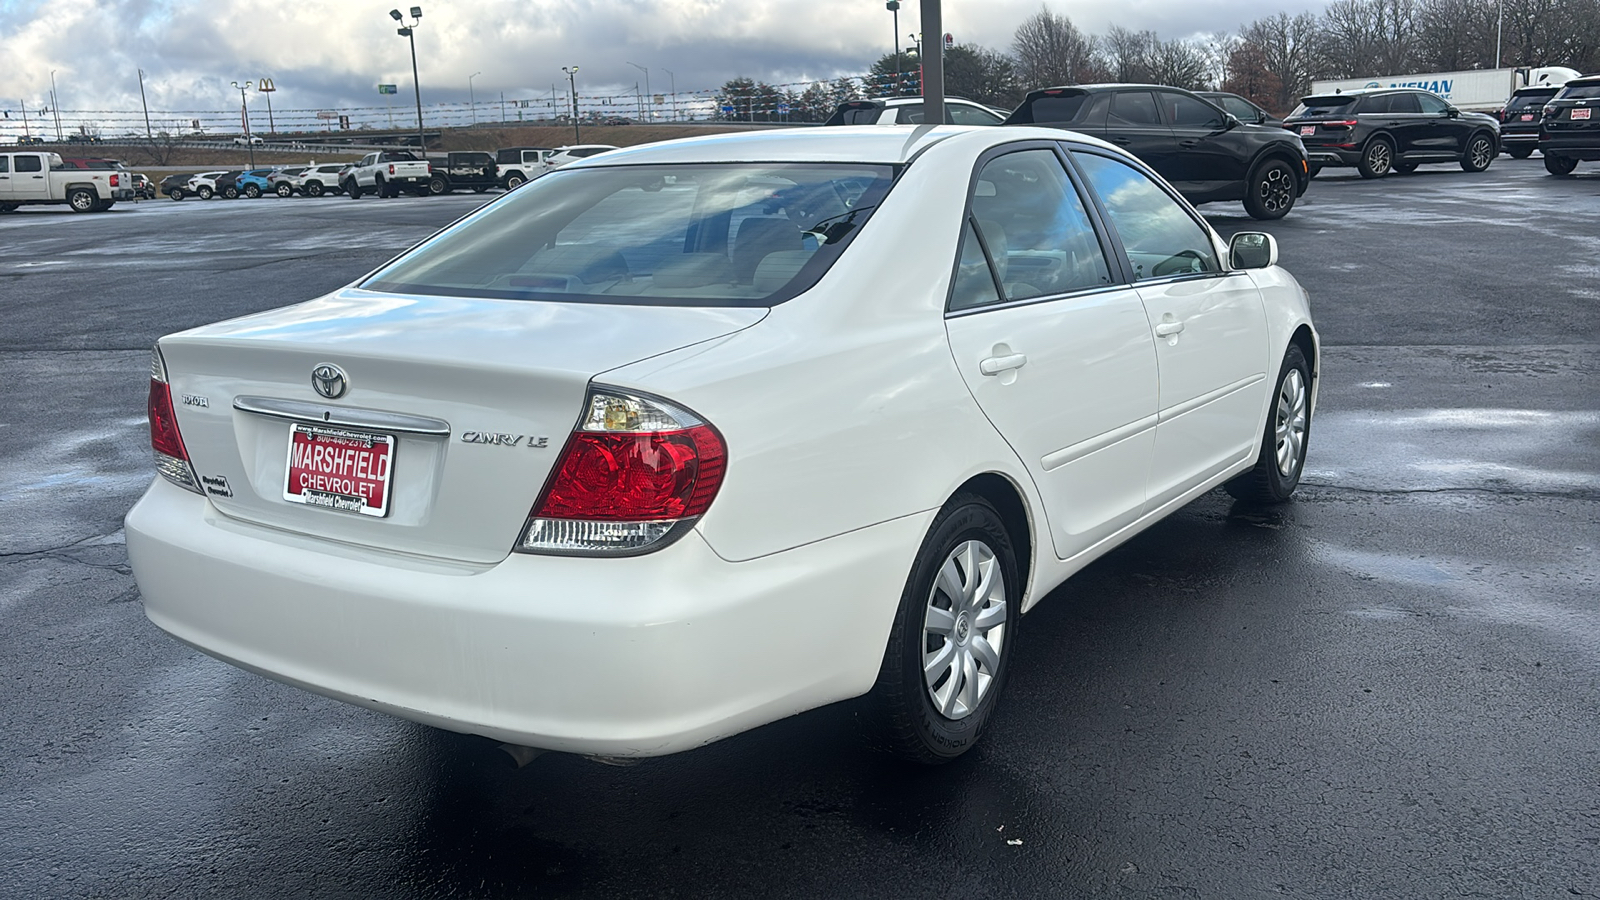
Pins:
<point x="1579" y="113"/>
<point x="357" y="467"/>
<point x="1527" y="117"/>
<point x="1307" y="130"/>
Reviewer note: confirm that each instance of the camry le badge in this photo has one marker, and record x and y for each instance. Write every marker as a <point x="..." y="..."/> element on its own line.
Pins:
<point x="330" y="381"/>
<point x="536" y="442"/>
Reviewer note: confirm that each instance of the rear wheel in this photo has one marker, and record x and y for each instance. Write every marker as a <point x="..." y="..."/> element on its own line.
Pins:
<point x="948" y="651"/>
<point x="1283" y="443"/>
<point x="1480" y="153"/>
<point x="353" y="189"/>
<point x="175" y="193"/>
<point x="314" y="188"/>
<point x="1377" y="160"/>
<point x="514" y="181"/>
<point x="1521" y="151"/>
<point x="1270" y="194"/>
<point x="285" y="189"/>
<point x="438" y="186"/>
<point x="83" y="200"/>
<point x="252" y="191"/>
<point x="205" y="192"/>
<point x="1559" y="165"/>
<point x="231" y="192"/>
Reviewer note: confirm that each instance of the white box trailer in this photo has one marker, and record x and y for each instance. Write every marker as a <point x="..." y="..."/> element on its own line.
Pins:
<point x="1478" y="90"/>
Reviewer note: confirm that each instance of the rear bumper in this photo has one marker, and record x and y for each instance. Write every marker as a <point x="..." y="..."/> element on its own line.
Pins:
<point x="624" y="657"/>
<point x="1585" y="147"/>
<point x="1333" y="156"/>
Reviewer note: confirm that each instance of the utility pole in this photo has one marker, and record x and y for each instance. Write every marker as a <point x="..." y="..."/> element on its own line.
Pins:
<point x="894" y="7"/>
<point x="244" y="113"/>
<point x="674" y="93"/>
<point x="472" y="98"/>
<point x="652" y="116"/>
<point x="149" y="133"/>
<point x="1499" y="29"/>
<point x="25" y="132"/>
<point x="502" y="107"/>
<point x="55" y="105"/>
<point x="572" y="83"/>
<point x="933" y="66"/>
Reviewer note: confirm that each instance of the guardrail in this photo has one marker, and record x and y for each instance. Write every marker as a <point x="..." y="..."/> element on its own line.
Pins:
<point x="78" y="147"/>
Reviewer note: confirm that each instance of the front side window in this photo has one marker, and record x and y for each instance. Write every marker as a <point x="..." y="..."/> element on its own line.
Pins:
<point x="1036" y="229"/>
<point x="734" y="234"/>
<point x="1160" y="237"/>
<point x="1133" y="108"/>
<point x="5" y="165"/>
<point x="1432" y="105"/>
<point x="1184" y="111"/>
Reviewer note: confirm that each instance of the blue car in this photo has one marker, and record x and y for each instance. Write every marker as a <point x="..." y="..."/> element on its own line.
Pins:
<point x="254" y="183"/>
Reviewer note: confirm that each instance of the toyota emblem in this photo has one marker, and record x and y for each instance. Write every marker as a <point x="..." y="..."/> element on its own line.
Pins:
<point x="330" y="381"/>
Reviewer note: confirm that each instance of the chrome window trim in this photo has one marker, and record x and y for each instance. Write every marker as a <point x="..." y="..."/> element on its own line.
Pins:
<point x="323" y="414"/>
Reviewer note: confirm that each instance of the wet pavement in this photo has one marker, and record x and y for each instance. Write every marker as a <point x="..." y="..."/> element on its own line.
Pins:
<point x="1384" y="688"/>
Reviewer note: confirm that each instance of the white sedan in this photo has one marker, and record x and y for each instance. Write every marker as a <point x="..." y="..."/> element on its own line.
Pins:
<point x="694" y="436"/>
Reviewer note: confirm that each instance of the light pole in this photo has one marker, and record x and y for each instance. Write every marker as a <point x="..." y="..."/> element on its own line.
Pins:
<point x="409" y="33"/>
<point x="652" y="115"/>
<point x="473" y="98"/>
<point x="894" y="7"/>
<point x="148" y="132"/>
<point x="266" y="86"/>
<point x="1499" y="29"/>
<point x="674" y="80"/>
<point x="55" y="105"/>
<point x="244" y="113"/>
<point x="933" y="69"/>
<point x="572" y="84"/>
<point x="921" y="61"/>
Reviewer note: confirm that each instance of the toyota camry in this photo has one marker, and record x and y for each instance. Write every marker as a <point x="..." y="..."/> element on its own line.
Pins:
<point x="686" y="438"/>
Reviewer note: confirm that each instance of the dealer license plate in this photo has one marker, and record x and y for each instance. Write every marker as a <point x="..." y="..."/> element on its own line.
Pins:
<point x="1308" y="129"/>
<point x="1527" y="117"/>
<point x="339" y="469"/>
<point x="1580" y="113"/>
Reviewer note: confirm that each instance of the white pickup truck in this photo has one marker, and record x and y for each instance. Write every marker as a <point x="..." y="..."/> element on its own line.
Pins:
<point x="39" y="178"/>
<point x="386" y="173"/>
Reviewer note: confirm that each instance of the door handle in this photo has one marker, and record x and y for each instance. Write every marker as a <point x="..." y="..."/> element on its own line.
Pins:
<point x="1188" y="143"/>
<point x="1122" y="141"/>
<point x="994" y="365"/>
<point x="1168" y="329"/>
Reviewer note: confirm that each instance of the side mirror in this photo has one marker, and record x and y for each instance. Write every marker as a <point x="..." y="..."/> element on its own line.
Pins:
<point x="1452" y="112"/>
<point x="1229" y="120"/>
<point x="1262" y="117"/>
<point x="1252" y="250"/>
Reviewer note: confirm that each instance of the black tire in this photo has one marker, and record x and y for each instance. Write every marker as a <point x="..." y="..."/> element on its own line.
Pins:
<point x="83" y="200"/>
<point x="353" y="189"/>
<point x="479" y="188"/>
<point x="253" y="192"/>
<point x="1405" y="168"/>
<point x="899" y="714"/>
<point x="438" y="186"/>
<point x="284" y="189"/>
<point x="1520" y="151"/>
<point x="1277" y="470"/>
<point x="313" y="189"/>
<point x="205" y="192"/>
<point x="1559" y="165"/>
<point x="1480" y="153"/>
<point x="231" y="192"/>
<point x="104" y="205"/>
<point x="514" y="181"/>
<point x="1270" y="193"/>
<point x="1377" y="159"/>
<point x="7" y="207"/>
<point x="175" y="193"/>
<point x="380" y="189"/>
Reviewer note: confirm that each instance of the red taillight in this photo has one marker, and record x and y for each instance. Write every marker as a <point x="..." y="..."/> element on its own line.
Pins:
<point x="1342" y="123"/>
<point x="114" y="179"/>
<point x="391" y="168"/>
<point x="164" y="436"/>
<point x="635" y="474"/>
<point x="635" y="477"/>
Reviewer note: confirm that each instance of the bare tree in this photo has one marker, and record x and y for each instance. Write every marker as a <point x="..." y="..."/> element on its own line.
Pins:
<point x="1179" y="64"/>
<point x="1369" y="37"/>
<point x="1125" y="55"/>
<point x="1287" y="50"/>
<point x="1049" y="49"/>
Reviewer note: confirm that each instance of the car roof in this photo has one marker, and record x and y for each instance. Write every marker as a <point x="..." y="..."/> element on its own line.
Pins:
<point x="1583" y="81"/>
<point x="890" y="144"/>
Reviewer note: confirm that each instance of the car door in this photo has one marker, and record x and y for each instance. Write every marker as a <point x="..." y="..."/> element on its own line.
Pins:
<point x="1203" y="156"/>
<point x="5" y="177"/>
<point x="1444" y="133"/>
<point x="1134" y="123"/>
<point x="1209" y="326"/>
<point x="1411" y="129"/>
<point x="1054" y="345"/>
<point x="29" y="177"/>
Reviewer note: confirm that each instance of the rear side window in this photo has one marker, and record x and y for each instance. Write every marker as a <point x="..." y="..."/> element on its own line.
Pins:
<point x="737" y="234"/>
<point x="1034" y="225"/>
<point x="1382" y="104"/>
<point x="1160" y="237"/>
<point x="5" y="165"/>
<point x="1133" y="108"/>
<point x="1404" y="103"/>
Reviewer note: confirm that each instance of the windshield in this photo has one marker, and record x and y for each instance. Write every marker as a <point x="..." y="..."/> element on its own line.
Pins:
<point x="1335" y="105"/>
<point x="736" y="234"/>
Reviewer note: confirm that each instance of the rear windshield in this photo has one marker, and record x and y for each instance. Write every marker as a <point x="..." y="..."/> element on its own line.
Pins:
<point x="1529" y="99"/>
<point x="1323" y="106"/>
<point x="1580" y="92"/>
<point x="745" y="234"/>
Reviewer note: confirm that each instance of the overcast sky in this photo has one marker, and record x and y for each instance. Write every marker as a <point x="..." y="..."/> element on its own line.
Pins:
<point x="333" y="53"/>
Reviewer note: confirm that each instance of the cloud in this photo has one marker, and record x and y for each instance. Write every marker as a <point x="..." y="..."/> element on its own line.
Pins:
<point x="333" y="53"/>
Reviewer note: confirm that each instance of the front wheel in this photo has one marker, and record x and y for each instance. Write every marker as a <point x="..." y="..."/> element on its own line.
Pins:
<point x="205" y="192"/>
<point x="175" y="194"/>
<point x="353" y="189"/>
<point x="314" y="189"/>
<point x="1283" y="444"/>
<point x="1559" y="165"/>
<point x="1521" y="151"/>
<point x="252" y="192"/>
<point x="949" y="649"/>
<point x="83" y="200"/>
<point x="1271" y="191"/>
<point x="1377" y="159"/>
<point x="515" y="181"/>
<point x="285" y="189"/>
<point x="1480" y="153"/>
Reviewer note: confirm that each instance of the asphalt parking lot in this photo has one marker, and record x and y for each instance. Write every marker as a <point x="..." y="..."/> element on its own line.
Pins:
<point x="1386" y="688"/>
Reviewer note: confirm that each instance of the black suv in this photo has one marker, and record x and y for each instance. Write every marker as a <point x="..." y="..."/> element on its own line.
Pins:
<point x="1203" y="151"/>
<point x="463" y="169"/>
<point x="1383" y="130"/>
<point x="1519" y="120"/>
<point x="1570" y="129"/>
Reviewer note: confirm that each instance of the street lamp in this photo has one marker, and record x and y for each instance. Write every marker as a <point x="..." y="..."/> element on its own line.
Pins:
<point x="894" y="7"/>
<point x="921" y="63"/>
<point x="652" y="115"/>
<point x="674" y="79"/>
<point x="55" y="105"/>
<point x="572" y="84"/>
<point x="244" y="114"/>
<point x="473" y="98"/>
<point x="409" y="33"/>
